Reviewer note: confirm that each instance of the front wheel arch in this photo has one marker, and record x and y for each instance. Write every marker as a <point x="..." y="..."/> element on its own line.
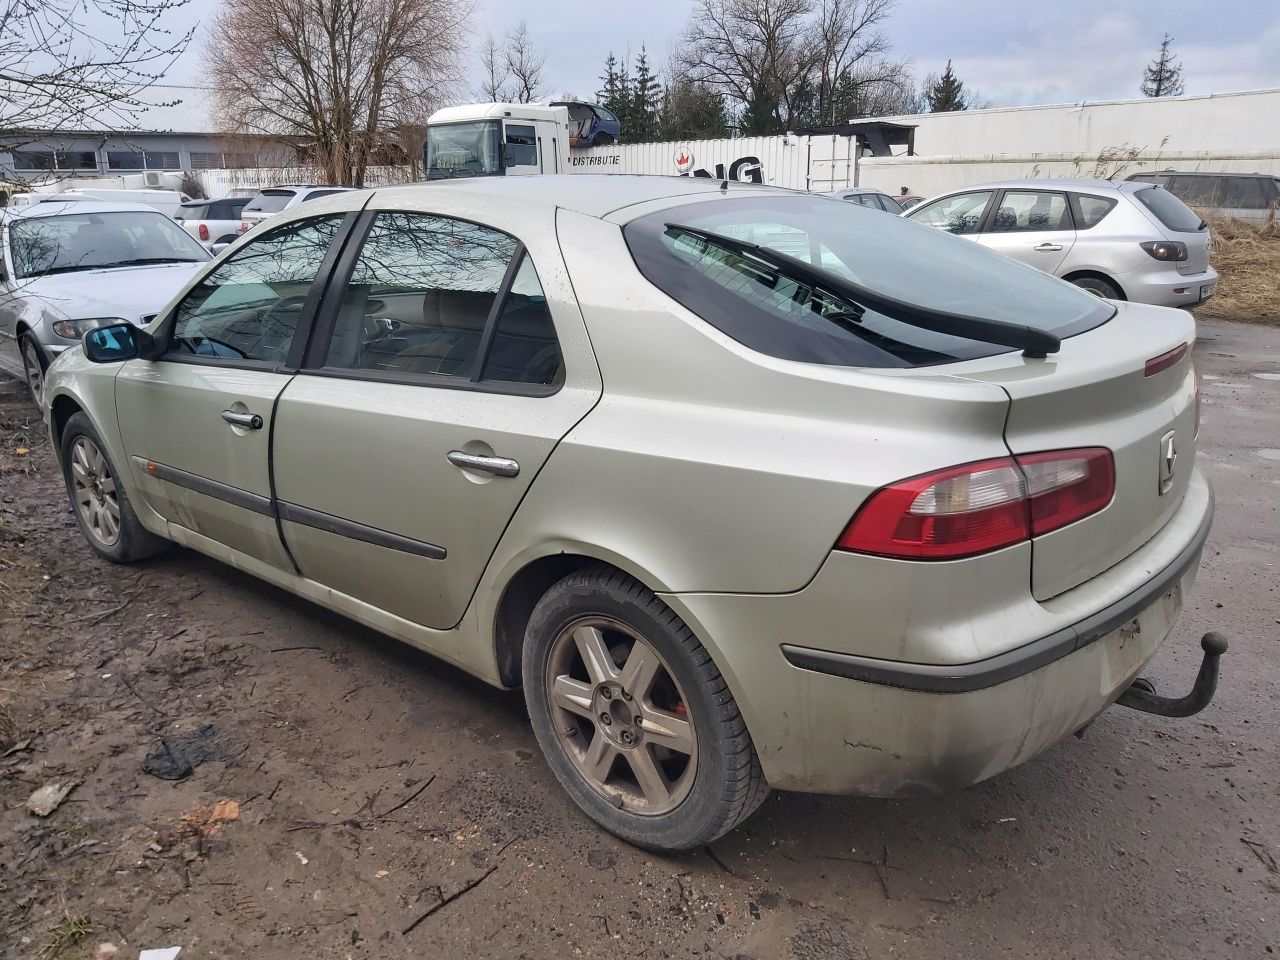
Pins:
<point x="62" y="409"/>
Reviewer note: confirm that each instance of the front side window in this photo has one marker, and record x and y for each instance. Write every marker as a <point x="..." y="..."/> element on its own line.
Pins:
<point x="774" y="310"/>
<point x="249" y="306"/>
<point x="522" y="146"/>
<point x="97" y="241"/>
<point x="959" y="214"/>
<point x="269" y="201"/>
<point x="464" y="150"/>
<point x="1025" y="211"/>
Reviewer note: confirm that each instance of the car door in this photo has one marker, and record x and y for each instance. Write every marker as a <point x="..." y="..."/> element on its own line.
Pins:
<point x="406" y="443"/>
<point x="960" y="213"/>
<point x="1033" y="226"/>
<point x="197" y="422"/>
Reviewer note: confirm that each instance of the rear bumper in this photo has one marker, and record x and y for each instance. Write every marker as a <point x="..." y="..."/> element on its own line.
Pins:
<point x="836" y="722"/>
<point x="1168" y="288"/>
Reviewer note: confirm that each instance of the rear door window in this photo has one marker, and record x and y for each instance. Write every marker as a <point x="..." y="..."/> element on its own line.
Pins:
<point x="1244" y="193"/>
<point x="1197" y="191"/>
<point x="1169" y="210"/>
<point x="768" y="309"/>
<point x="959" y="214"/>
<point x="1026" y="211"/>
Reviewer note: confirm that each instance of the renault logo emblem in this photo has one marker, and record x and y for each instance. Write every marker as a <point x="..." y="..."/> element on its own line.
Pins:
<point x="1168" y="461"/>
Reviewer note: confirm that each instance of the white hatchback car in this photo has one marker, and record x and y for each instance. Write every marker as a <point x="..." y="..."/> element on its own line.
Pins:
<point x="213" y="222"/>
<point x="1121" y="241"/>
<point x="66" y="268"/>
<point x="267" y="203"/>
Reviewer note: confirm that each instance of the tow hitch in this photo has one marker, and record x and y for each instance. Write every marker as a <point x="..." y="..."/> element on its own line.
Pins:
<point x="1141" y="694"/>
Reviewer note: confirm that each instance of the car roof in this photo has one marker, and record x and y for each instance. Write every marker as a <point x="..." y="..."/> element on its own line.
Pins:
<point x="1078" y="184"/>
<point x="595" y="195"/>
<point x="1199" y="173"/>
<point x="55" y="208"/>
<point x="848" y="190"/>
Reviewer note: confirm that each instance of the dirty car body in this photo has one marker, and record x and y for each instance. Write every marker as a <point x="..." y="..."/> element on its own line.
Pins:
<point x="714" y="475"/>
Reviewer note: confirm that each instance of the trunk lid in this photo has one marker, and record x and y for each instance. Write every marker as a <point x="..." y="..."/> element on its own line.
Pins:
<point x="1095" y="392"/>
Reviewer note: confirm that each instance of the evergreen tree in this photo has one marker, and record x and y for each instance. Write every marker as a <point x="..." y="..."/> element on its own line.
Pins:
<point x="646" y="100"/>
<point x="692" y="111"/>
<point x="1163" y="77"/>
<point x="945" y="94"/>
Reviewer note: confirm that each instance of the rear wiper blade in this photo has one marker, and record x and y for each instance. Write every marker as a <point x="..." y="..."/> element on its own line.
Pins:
<point x="1032" y="342"/>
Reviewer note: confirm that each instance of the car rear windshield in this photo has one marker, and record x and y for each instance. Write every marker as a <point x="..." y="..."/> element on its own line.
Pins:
<point x="269" y="201"/>
<point x="1169" y="210"/>
<point x="194" y="211"/>
<point x="764" y="308"/>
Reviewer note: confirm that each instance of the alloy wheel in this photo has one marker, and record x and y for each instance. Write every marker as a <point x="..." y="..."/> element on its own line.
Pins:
<point x="34" y="370"/>
<point x="94" y="491"/>
<point x="621" y="716"/>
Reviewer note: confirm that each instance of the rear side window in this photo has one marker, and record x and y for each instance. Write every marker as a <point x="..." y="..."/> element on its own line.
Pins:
<point x="1089" y="210"/>
<point x="768" y="310"/>
<point x="1244" y="193"/>
<point x="524" y="348"/>
<point x="1169" y="210"/>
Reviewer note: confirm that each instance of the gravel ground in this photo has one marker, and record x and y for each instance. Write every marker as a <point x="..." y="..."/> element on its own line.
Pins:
<point x="389" y="806"/>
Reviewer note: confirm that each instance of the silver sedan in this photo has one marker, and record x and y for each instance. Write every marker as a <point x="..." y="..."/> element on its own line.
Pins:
<point x="742" y="494"/>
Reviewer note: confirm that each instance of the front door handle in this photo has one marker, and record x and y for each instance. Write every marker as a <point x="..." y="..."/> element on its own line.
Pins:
<point x="498" y="466"/>
<point x="249" y="420"/>
<point x="1048" y="247"/>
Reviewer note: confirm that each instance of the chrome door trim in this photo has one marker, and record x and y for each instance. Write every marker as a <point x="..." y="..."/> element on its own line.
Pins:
<point x="210" y="488"/>
<point x="358" y="531"/>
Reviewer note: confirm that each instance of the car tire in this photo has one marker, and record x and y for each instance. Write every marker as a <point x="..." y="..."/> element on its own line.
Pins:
<point x="1099" y="287"/>
<point x="674" y="766"/>
<point x="602" y="140"/>
<point x="33" y="368"/>
<point x="98" y="498"/>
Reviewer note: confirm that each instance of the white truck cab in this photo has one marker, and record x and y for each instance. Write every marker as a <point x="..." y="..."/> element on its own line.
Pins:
<point x="496" y="139"/>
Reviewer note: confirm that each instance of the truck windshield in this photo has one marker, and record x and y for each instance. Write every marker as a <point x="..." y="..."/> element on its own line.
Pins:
<point x="464" y="150"/>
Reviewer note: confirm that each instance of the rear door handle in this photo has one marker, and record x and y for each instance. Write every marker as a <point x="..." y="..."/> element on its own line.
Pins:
<point x="498" y="466"/>
<point x="250" y="420"/>
<point x="1048" y="247"/>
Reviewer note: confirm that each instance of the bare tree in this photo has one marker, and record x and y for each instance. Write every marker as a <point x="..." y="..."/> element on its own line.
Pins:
<point x="524" y="64"/>
<point x="850" y="45"/>
<point x="496" y="81"/>
<point x="79" y="64"/>
<point x="336" y="76"/>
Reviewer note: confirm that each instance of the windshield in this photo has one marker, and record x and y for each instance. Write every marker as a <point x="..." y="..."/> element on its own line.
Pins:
<point x="93" y="241"/>
<point x="463" y="150"/>
<point x="767" y="308"/>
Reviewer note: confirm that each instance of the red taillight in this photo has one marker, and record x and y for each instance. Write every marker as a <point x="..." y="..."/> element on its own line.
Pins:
<point x="204" y="231"/>
<point x="244" y="227"/>
<point x="978" y="507"/>
<point x="1164" y="361"/>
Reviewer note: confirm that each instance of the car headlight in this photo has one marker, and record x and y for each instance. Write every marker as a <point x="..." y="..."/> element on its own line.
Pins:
<point x="76" y="329"/>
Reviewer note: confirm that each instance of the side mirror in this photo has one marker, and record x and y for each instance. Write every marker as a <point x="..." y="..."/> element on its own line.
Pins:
<point x="217" y="248"/>
<point x="123" y="341"/>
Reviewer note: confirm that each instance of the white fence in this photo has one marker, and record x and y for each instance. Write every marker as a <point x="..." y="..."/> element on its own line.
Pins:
<point x="1236" y="132"/>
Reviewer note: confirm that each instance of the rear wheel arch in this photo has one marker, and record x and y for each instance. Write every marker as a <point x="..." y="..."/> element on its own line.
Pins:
<point x="1097" y="275"/>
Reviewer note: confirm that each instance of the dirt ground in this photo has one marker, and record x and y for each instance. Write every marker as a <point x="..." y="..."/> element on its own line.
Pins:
<point x="389" y="806"/>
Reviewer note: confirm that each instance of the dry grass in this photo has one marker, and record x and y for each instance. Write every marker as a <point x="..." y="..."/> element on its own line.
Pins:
<point x="1248" y="259"/>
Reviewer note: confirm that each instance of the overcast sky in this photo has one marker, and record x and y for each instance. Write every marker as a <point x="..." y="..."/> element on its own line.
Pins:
<point x="1010" y="51"/>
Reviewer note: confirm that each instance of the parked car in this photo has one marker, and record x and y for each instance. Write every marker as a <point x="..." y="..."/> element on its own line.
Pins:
<point x="867" y="198"/>
<point x="69" y="267"/>
<point x="885" y="522"/>
<point x="213" y="221"/>
<point x="590" y="125"/>
<point x="267" y="203"/>
<point x="1121" y="241"/>
<point x="166" y="201"/>
<point x="1239" y="196"/>
<point x="907" y="201"/>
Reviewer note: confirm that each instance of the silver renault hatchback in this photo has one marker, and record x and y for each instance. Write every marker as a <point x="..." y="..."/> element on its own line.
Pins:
<point x="1122" y="241"/>
<point x="742" y="493"/>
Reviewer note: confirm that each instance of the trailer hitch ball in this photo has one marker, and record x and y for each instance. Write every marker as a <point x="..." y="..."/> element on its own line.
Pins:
<point x="1141" y="694"/>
